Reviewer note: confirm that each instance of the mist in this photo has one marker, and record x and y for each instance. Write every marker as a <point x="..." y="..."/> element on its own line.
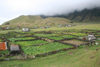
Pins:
<point x="13" y="8"/>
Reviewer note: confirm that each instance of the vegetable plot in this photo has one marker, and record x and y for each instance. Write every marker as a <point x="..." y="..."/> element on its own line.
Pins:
<point x="24" y="38"/>
<point x="56" y="38"/>
<point x="44" y="48"/>
<point x="68" y="36"/>
<point x="28" y="43"/>
<point x="79" y="34"/>
<point x="46" y="35"/>
<point x="61" y="37"/>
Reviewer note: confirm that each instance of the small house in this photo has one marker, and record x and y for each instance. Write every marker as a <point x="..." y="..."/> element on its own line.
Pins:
<point x="91" y="37"/>
<point x="15" y="49"/>
<point x="68" y="26"/>
<point x="25" y="29"/>
<point x="3" y="46"/>
<point x="5" y="28"/>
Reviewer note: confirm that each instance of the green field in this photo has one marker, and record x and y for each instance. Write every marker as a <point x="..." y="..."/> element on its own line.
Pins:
<point x="25" y="38"/>
<point x="56" y="36"/>
<point x="34" y="50"/>
<point x="83" y="56"/>
<point x="46" y="35"/>
<point x="28" y="43"/>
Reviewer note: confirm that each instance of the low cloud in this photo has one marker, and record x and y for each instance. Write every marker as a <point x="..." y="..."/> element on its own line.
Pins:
<point x="13" y="8"/>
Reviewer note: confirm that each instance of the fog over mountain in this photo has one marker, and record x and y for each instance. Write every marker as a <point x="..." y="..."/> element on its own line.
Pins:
<point x="12" y="8"/>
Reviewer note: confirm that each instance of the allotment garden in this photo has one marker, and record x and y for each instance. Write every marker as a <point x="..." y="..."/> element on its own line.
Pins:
<point x="39" y="44"/>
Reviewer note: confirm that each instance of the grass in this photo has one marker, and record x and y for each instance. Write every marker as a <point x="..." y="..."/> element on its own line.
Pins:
<point x="82" y="57"/>
<point x="28" y="43"/>
<point x="33" y="50"/>
<point x="4" y="52"/>
<point x="78" y="27"/>
<point x="36" y="21"/>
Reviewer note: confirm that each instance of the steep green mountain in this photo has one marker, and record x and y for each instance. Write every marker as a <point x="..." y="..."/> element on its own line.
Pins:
<point x="86" y="15"/>
<point x="36" y="21"/>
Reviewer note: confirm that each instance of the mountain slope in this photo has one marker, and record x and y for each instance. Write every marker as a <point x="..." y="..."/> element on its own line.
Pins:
<point x="36" y="21"/>
<point x="85" y="15"/>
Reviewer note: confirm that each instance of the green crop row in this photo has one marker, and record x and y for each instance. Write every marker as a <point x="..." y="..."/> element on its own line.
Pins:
<point x="28" y="43"/>
<point x="68" y="36"/>
<point x="33" y="50"/>
<point x="61" y="37"/>
<point x="79" y="34"/>
<point x="24" y="38"/>
<point x="46" y="35"/>
<point x="56" y="38"/>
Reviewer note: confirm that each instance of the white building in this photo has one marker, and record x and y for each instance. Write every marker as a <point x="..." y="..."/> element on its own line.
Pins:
<point x="91" y="37"/>
<point x="25" y="29"/>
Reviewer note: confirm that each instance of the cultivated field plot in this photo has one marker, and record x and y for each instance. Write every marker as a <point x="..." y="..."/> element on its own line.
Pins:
<point x="34" y="50"/>
<point x="74" y="42"/>
<point x="79" y="34"/>
<point x="69" y="36"/>
<point x="56" y="36"/>
<point x="41" y="43"/>
<point x="46" y="35"/>
<point x="62" y="37"/>
<point x="97" y="36"/>
<point x="30" y="43"/>
<point x="23" y="38"/>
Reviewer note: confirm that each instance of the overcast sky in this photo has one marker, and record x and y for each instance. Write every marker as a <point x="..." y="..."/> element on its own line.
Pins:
<point x="13" y="8"/>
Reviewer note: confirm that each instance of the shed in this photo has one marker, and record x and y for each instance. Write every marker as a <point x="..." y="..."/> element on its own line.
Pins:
<point x="25" y="29"/>
<point x="3" y="46"/>
<point x="15" y="49"/>
<point x="91" y="37"/>
<point x="69" y="25"/>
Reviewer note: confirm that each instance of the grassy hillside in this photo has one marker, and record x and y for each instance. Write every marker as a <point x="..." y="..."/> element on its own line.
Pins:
<point x="36" y="21"/>
<point x="78" y="26"/>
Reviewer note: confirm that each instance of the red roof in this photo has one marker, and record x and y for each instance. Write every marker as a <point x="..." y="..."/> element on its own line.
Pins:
<point x="3" y="46"/>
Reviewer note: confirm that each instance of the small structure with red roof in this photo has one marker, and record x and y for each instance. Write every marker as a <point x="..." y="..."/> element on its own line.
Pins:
<point x="3" y="46"/>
